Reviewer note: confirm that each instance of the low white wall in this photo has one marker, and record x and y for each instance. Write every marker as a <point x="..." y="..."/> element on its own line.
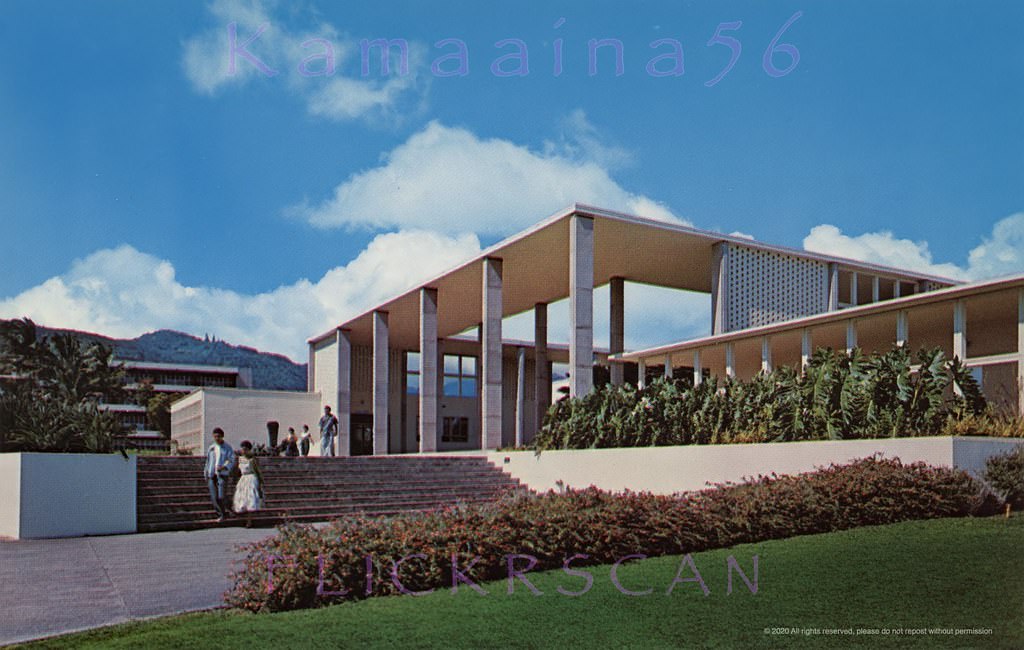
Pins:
<point x="665" y="470"/>
<point x="67" y="495"/>
<point x="10" y="492"/>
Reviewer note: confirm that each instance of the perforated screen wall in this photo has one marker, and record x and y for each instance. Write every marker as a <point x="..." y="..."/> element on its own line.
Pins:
<point x="767" y="287"/>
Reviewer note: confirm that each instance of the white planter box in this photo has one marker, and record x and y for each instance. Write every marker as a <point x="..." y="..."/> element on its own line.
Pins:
<point x="665" y="470"/>
<point x="66" y="495"/>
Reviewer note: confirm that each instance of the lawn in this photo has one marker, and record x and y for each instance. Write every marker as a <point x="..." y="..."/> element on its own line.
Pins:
<point x="920" y="581"/>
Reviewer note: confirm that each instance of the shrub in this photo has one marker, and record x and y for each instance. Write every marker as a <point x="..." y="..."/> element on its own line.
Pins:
<point x="837" y="396"/>
<point x="1005" y="473"/>
<point x="603" y="526"/>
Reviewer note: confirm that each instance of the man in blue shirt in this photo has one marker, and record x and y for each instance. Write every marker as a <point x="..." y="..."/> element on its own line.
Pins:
<point x="328" y="430"/>
<point x="220" y="459"/>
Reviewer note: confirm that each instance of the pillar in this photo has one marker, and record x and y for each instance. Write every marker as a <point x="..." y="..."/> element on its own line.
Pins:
<point x="380" y="383"/>
<point x="617" y="324"/>
<point x="698" y="373"/>
<point x="641" y="373"/>
<point x="806" y="348"/>
<point x="720" y="289"/>
<point x="902" y="328"/>
<point x="668" y="366"/>
<point x="896" y="288"/>
<point x="490" y="394"/>
<point x="343" y="407"/>
<point x="833" y="287"/>
<point x="1020" y="352"/>
<point x="959" y="335"/>
<point x="521" y="398"/>
<point x="875" y="293"/>
<point x="766" y="354"/>
<point x="851" y="335"/>
<point x="730" y="361"/>
<point x="581" y="306"/>
<point x="428" y="370"/>
<point x="853" y="289"/>
<point x="541" y="376"/>
<point x="311" y="369"/>
<point x="960" y="330"/>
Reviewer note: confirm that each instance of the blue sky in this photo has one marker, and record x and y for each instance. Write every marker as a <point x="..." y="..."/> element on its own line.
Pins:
<point x="143" y="186"/>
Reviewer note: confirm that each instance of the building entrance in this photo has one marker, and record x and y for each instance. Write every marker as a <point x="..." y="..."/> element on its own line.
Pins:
<point x="361" y="439"/>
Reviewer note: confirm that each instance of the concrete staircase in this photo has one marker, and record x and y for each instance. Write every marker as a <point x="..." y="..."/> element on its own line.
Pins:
<point x="172" y="494"/>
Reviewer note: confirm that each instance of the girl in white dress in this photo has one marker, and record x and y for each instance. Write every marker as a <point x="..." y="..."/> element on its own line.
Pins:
<point x="249" y="490"/>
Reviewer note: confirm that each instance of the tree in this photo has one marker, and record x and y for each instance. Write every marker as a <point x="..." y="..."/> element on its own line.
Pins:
<point x="51" y="402"/>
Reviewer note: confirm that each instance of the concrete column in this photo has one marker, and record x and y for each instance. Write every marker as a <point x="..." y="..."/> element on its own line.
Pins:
<point x="875" y="293"/>
<point x="902" y="328"/>
<point x="668" y="366"/>
<point x="766" y="354"/>
<point x="521" y="398"/>
<point x="428" y="370"/>
<point x="720" y="289"/>
<point x="311" y="369"/>
<point x="730" y="361"/>
<point x="806" y="348"/>
<point x="698" y="373"/>
<point x="490" y="395"/>
<point x="617" y="326"/>
<point x="641" y="373"/>
<point x="1020" y="352"/>
<point x="343" y="407"/>
<point x="851" y="335"/>
<point x="960" y="330"/>
<point x="380" y="383"/>
<point x="896" y="288"/>
<point x="853" y="289"/>
<point x="581" y="306"/>
<point x="541" y="376"/>
<point x="833" y="286"/>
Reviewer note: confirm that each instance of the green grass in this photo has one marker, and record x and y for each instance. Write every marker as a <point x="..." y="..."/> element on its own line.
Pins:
<point x="953" y="573"/>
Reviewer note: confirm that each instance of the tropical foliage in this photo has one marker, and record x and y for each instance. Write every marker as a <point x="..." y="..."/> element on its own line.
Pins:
<point x="51" y="389"/>
<point x="303" y="566"/>
<point x="838" y="396"/>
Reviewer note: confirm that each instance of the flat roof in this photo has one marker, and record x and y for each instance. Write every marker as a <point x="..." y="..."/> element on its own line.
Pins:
<point x="861" y="311"/>
<point x="180" y="367"/>
<point x="536" y="270"/>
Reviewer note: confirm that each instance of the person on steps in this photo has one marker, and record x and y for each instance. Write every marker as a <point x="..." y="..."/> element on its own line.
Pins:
<point x="220" y="459"/>
<point x="249" y="490"/>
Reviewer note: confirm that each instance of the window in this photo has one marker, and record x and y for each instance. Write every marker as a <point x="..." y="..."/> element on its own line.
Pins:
<point x="455" y="430"/>
<point x="459" y="375"/>
<point x="412" y="373"/>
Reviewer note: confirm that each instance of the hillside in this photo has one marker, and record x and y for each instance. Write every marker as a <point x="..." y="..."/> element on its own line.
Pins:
<point x="269" y="371"/>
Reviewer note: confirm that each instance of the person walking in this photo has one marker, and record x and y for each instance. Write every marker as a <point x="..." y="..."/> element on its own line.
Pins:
<point x="220" y="459"/>
<point x="328" y="430"/>
<point x="249" y="490"/>
<point x="305" y="439"/>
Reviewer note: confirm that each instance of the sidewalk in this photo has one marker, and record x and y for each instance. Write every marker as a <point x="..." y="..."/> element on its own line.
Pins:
<point x="54" y="586"/>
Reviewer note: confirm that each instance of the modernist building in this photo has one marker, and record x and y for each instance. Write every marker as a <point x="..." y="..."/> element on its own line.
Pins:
<point x="173" y="378"/>
<point x="405" y="377"/>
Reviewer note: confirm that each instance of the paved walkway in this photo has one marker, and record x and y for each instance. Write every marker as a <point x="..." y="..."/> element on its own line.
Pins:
<point x="54" y="586"/>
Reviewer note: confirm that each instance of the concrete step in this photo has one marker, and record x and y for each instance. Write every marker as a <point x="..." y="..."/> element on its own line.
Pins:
<point x="173" y="495"/>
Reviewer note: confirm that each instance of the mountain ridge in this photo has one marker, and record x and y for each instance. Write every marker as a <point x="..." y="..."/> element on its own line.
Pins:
<point x="270" y="371"/>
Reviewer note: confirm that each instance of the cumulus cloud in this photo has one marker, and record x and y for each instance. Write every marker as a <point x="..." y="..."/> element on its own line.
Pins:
<point x="298" y="59"/>
<point x="123" y="292"/>
<point x="1001" y="253"/>
<point x="449" y="179"/>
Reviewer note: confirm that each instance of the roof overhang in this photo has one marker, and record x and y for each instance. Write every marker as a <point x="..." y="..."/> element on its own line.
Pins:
<point x="535" y="270"/>
<point x="909" y="303"/>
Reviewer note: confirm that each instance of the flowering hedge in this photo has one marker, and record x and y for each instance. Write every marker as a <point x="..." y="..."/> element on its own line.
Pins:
<point x="303" y="567"/>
